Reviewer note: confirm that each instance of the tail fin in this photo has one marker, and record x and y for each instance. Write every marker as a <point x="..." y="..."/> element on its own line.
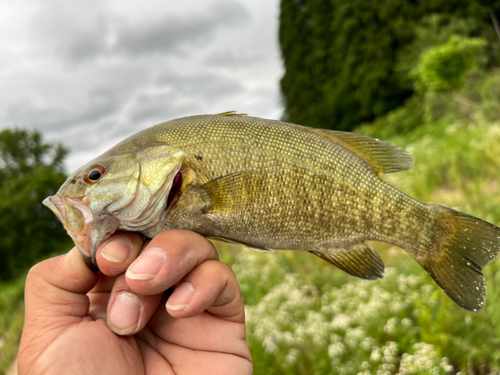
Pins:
<point x="468" y="244"/>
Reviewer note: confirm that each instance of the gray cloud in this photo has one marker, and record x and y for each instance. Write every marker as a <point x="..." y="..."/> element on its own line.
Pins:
<point x="98" y="103"/>
<point x="174" y="33"/>
<point x="152" y="107"/>
<point x="232" y="59"/>
<point x="206" y="85"/>
<point x="92" y="34"/>
<point x="75" y="31"/>
<point x="179" y="94"/>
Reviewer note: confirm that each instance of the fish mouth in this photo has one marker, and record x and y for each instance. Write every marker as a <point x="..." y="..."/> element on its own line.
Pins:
<point x="77" y="219"/>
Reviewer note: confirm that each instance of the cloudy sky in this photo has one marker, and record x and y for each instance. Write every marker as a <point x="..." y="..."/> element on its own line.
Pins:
<point x="91" y="73"/>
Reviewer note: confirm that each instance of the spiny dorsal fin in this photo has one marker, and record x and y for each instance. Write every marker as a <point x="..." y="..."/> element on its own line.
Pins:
<point x="232" y="113"/>
<point x="383" y="156"/>
<point x="359" y="260"/>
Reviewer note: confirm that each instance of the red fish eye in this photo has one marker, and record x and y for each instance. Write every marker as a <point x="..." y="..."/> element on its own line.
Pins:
<point x="95" y="174"/>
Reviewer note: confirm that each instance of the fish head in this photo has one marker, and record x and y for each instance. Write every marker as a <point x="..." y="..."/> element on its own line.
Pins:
<point x="125" y="191"/>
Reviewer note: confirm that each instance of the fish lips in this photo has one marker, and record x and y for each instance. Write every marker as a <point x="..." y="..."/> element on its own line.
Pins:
<point x="77" y="219"/>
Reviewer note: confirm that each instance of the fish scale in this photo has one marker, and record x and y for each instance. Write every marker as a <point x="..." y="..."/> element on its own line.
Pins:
<point x="267" y="184"/>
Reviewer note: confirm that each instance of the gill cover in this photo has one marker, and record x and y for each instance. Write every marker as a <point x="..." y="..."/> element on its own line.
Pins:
<point x="157" y="167"/>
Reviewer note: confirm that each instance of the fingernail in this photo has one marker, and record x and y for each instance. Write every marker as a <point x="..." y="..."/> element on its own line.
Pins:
<point x="180" y="297"/>
<point x="123" y="317"/>
<point x="147" y="265"/>
<point x="118" y="250"/>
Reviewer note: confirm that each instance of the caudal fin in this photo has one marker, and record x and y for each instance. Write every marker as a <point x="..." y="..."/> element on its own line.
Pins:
<point x="468" y="244"/>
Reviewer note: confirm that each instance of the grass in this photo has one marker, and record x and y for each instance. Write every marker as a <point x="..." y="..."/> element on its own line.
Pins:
<point x="11" y="320"/>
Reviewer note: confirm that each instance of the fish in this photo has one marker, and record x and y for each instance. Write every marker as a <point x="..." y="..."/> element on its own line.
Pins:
<point x="272" y="185"/>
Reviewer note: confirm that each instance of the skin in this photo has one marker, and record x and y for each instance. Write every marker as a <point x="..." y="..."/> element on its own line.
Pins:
<point x="120" y="321"/>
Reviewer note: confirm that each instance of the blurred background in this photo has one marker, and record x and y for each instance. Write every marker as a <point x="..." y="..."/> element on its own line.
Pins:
<point x="76" y="78"/>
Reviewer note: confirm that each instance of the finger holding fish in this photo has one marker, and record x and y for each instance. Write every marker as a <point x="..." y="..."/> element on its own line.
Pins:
<point x="116" y="254"/>
<point x="191" y="260"/>
<point x="113" y="258"/>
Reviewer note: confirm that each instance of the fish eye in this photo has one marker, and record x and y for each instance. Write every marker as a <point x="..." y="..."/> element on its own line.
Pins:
<point x="94" y="174"/>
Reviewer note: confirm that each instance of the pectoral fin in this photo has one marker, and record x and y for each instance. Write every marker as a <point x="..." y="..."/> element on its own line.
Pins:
<point x="230" y="191"/>
<point x="359" y="260"/>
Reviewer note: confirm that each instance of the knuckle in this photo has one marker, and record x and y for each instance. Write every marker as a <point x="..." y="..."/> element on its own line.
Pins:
<point x="36" y="272"/>
<point x="218" y="268"/>
<point x="181" y="240"/>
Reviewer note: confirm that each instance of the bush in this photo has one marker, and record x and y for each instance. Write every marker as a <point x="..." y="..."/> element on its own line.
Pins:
<point x="444" y="67"/>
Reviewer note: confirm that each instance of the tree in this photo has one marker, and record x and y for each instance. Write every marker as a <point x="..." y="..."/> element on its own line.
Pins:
<point x="349" y="61"/>
<point x="30" y="170"/>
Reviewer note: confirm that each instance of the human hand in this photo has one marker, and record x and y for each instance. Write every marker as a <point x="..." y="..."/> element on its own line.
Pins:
<point x="79" y="322"/>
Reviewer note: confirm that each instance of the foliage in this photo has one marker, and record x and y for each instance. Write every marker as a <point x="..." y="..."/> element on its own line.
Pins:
<point x="11" y="320"/>
<point x="30" y="170"/>
<point x="444" y="67"/>
<point x="349" y="61"/>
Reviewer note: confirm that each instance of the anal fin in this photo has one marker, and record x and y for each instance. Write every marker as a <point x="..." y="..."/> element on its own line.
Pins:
<point x="359" y="260"/>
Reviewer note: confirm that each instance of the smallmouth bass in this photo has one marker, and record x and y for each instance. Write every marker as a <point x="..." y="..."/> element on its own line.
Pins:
<point x="267" y="184"/>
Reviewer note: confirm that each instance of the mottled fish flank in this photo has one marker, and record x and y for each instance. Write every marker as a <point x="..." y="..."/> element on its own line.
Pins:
<point x="266" y="184"/>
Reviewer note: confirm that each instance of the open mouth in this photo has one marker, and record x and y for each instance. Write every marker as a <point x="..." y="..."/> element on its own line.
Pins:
<point x="75" y="215"/>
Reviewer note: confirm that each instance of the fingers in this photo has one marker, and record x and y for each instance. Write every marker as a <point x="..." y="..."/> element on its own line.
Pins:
<point x="116" y="254"/>
<point x="164" y="262"/>
<point x="210" y="286"/>
<point x="113" y="257"/>
<point x="129" y="312"/>
<point x="167" y="259"/>
<point x="209" y="302"/>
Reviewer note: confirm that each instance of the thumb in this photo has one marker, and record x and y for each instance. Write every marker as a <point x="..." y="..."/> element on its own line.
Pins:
<point x="56" y="291"/>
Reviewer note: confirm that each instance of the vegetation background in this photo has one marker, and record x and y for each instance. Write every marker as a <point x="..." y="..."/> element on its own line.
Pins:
<point x="422" y="74"/>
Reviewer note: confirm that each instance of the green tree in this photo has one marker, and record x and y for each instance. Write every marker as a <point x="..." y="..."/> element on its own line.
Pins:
<point x="30" y="170"/>
<point x="349" y="61"/>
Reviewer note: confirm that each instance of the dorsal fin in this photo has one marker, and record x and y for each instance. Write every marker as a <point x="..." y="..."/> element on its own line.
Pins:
<point x="383" y="156"/>
<point x="232" y="113"/>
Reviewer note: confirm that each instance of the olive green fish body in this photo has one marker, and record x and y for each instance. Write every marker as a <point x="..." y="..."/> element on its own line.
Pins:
<point x="302" y="191"/>
<point x="273" y="185"/>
